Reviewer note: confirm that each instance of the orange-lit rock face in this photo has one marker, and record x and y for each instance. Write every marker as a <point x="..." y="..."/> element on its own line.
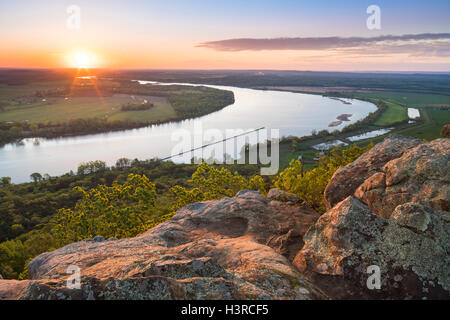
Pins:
<point x="347" y="179"/>
<point x="421" y="175"/>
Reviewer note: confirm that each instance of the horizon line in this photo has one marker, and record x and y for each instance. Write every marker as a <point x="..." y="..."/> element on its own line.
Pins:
<point x="221" y="69"/>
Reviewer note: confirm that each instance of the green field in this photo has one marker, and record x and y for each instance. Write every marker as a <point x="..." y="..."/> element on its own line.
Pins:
<point x="59" y="109"/>
<point x="393" y="114"/>
<point x="434" y="119"/>
<point x="14" y="91"/>
<point x="409" y="99"/>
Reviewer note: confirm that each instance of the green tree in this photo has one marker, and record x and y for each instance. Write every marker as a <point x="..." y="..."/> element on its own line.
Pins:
<point x="91" y="167"/>
<point x="294" y="145"/>
<point x="16" y="130"/>
<point x="211" y="182"/>
<point x="122" y="210"/>
<point x="311" y="186"/>
<point x="123" y="163"/>
<point x="5" y="181"/>
<point x="36" y="176"/>
<point x="17" y="228"/>
<point x="34" y="128"/>
<point x="12" y="258"/>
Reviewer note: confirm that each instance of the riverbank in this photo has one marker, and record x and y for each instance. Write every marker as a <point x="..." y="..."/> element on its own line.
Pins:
<point x="53" y="113"/>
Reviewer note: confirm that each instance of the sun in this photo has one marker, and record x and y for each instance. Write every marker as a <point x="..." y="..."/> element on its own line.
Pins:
<point x="82" y="59"/>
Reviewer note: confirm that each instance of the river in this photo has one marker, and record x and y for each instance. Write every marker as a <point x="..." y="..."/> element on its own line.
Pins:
<point x="293" y="114"/>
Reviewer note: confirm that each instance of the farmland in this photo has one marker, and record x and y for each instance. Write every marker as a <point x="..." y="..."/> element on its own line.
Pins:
<point x="59" y="109"/>
<point x="83" y="106"/>
<point x="393" y="114"/>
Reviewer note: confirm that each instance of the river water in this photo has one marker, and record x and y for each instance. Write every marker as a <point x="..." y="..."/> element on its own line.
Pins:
<point x="293" y="114"/>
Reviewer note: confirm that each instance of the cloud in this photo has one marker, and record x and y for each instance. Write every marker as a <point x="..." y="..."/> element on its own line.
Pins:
<point x="438" y="48"/>
<point x="383" y="44"/>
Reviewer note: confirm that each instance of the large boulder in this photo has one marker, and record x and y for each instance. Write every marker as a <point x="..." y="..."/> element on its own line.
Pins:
<point x="347" y="179"/>
<point x="420" y="175"/>
<point x="397" y="220"/>
<point x="234" y="248"/>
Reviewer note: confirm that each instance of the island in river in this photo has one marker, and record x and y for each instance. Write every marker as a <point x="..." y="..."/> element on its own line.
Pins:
<point x="340" y="118"/>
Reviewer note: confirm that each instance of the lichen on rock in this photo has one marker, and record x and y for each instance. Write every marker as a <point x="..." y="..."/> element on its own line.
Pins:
<point x="396" y="219"/>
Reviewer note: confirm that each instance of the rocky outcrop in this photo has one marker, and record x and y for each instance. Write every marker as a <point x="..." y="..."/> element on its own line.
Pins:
<point x="420" y="175"/>
<point x="234" y="248"/>
<point x="397" y="220"/>
<point x="347" y="179"/>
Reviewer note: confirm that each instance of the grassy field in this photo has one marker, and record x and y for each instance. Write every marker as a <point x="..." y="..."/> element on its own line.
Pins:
<point x="59" y="109"/>
<point x="434" y="119"/>
<point x="393" y="114"/>
<point x="14" y="91"/>
<point x="410" y="99"/>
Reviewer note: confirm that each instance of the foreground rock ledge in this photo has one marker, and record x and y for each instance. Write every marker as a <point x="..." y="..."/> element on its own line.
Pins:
<point x="234" y="248"/>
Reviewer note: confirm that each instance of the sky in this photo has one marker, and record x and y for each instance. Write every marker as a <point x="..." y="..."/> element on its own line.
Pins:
<point x="251" y="34"/>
